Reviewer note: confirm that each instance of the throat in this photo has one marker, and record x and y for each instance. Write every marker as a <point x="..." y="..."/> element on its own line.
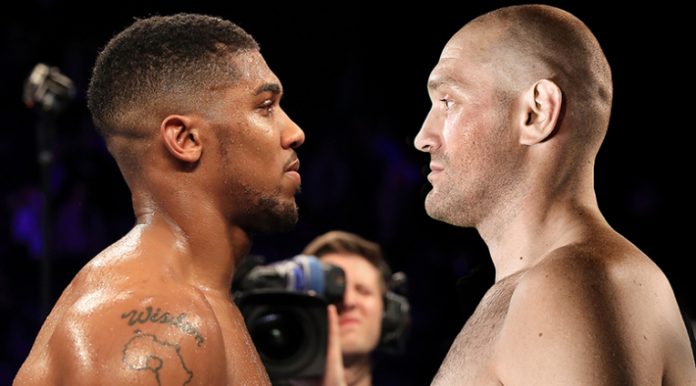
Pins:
<point x="358" y="370"/>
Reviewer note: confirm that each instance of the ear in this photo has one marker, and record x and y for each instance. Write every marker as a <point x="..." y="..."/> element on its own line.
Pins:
<point x="541" y="108"/>
<point x="181" y="138"/>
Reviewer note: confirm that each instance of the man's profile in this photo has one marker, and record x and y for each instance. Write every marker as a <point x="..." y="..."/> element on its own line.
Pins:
<point x="190" y="111"/>
<point x="521" y="99"/>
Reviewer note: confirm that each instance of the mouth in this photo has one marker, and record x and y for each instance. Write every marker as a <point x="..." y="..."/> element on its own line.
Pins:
<point x="347" y="321"/>
<point x="293" y="165"/>
<point x="435" y="169"/>
<point x="292" y="169"/>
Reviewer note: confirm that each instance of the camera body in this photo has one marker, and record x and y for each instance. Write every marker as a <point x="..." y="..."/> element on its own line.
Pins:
<point x="289" y="330"/>
<point x="284" y="308"/>
<point x="301" y="274"/>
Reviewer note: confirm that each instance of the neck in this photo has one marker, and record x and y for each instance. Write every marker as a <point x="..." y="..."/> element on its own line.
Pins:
<point x="357" y="370"/>
<point x="536" y="223"/>
<point x="204" y="247"/>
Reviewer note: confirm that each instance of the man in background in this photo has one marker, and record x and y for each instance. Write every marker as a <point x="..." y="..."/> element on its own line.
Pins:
<point x="361" y="313"/>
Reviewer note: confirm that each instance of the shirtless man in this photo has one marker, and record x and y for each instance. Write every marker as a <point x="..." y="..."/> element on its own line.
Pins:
<point x="190" y="111"/>
<point x="521" y="99"/>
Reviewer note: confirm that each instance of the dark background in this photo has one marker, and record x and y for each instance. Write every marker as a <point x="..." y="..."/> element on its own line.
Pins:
<point x="355" y="82"/>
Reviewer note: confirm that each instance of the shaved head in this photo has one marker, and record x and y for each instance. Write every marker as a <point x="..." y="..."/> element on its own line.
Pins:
<point x="526" y="43"/>
<point x="509" y="80"/>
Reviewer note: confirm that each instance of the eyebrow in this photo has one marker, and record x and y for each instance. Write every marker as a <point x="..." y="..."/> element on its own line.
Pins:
<point x="434" y="84"/>
<point x="269" y="87"/>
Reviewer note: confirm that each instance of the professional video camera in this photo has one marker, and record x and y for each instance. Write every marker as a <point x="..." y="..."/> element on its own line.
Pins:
<point x="284" y="307"/>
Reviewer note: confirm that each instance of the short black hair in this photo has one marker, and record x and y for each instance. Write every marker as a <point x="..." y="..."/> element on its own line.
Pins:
<point x="159" y="63"/>
<point x="346" y="242"/>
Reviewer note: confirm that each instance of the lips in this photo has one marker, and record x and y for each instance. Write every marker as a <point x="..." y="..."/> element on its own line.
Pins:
<point x="293" y="165"/>
<point x="291" y="169"/>
<point x="435" y="169"/>
<point x="347" y="321"/>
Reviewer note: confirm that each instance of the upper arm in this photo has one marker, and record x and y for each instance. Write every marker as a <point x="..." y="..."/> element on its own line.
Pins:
<point x="154" y="340"/>
<point x="567" y="324"/>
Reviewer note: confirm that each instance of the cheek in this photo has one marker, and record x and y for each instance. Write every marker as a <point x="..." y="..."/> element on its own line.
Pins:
<point x="459" y="134"/>
<point x="450" y="128"/>
<point x="469" y="136"/>
<point x="374" y="309"/>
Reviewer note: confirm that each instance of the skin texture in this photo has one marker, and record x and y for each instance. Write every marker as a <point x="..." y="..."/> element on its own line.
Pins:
<point x="574" y="303"/>
<point x="155" y="307"/>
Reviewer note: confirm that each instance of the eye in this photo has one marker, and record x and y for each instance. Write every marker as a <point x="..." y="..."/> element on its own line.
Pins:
<point x="364" y="290"/>
<point x="267" y="106"/>
<point x="448" y="103"/>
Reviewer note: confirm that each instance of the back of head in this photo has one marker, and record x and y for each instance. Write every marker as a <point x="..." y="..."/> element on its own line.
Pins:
<point x="541" y="42"/>
<point x="159" y="66"/>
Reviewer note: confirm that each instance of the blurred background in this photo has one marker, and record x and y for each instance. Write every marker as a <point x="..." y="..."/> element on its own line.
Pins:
<point x="355" y="76"/>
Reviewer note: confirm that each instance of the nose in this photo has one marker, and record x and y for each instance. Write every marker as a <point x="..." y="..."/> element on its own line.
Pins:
<point x="427" y="140"/>
<point x="292" y="136"/>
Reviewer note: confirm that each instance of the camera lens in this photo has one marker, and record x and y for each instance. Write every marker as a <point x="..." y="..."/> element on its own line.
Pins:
<point x="278" y="335"/>
<point x="289" y="330"/>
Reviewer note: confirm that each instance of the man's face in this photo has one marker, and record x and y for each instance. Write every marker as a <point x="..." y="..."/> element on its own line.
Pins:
<point x="467" y="135"/>
<point x="360" y="315"/>
<point x="254" y="159"/>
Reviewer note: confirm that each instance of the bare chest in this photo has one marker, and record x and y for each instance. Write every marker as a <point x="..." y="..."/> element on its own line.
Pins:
<point x="470" y="360"/>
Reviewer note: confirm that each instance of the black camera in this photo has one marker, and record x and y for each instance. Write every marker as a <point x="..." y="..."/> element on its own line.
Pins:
<point x="284" y="308"/>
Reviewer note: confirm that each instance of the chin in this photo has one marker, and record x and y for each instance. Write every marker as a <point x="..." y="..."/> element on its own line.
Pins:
<point x="439" y="209"/>
<point x="273" y="216"/>
<point x="355" y="350"/>
<point x="433" y="207"/>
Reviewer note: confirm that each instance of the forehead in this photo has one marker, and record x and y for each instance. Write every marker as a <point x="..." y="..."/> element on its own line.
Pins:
<point x="252" y="81"/>
<point x="357" y="267"/>
<point x="253" y="74"/>
<point x="459" y="77"/>
<point x="251" y="64"/>
<point x="464" y="63"/>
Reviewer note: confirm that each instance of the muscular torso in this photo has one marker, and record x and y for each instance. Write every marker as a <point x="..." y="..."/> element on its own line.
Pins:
<point x="132" y="320"/>
<point x="599" y="314"/>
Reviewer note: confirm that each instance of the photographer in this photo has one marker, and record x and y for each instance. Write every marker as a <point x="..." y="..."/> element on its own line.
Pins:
<point x="361" y="313"/>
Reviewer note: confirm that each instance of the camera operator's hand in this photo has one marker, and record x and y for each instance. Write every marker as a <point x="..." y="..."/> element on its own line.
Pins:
<point x="334" y="374"/>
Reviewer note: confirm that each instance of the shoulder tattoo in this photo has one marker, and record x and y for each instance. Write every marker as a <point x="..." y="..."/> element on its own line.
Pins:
<point x="158" y="317"/>
<point x="145" y="352"/>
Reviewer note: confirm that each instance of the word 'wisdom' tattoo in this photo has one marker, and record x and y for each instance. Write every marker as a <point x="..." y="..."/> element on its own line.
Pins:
<point x="180" y="322"/>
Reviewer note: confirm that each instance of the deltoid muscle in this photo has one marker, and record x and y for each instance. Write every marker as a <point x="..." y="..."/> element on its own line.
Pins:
<point x="144" y="352"/>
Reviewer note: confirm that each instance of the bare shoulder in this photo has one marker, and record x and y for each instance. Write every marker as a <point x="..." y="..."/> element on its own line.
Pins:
<point x="148" y="338"/>
<point x="604" y="307"/>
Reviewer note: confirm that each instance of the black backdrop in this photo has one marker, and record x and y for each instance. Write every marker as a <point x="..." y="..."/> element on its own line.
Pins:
<point x="355" y="76"/>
